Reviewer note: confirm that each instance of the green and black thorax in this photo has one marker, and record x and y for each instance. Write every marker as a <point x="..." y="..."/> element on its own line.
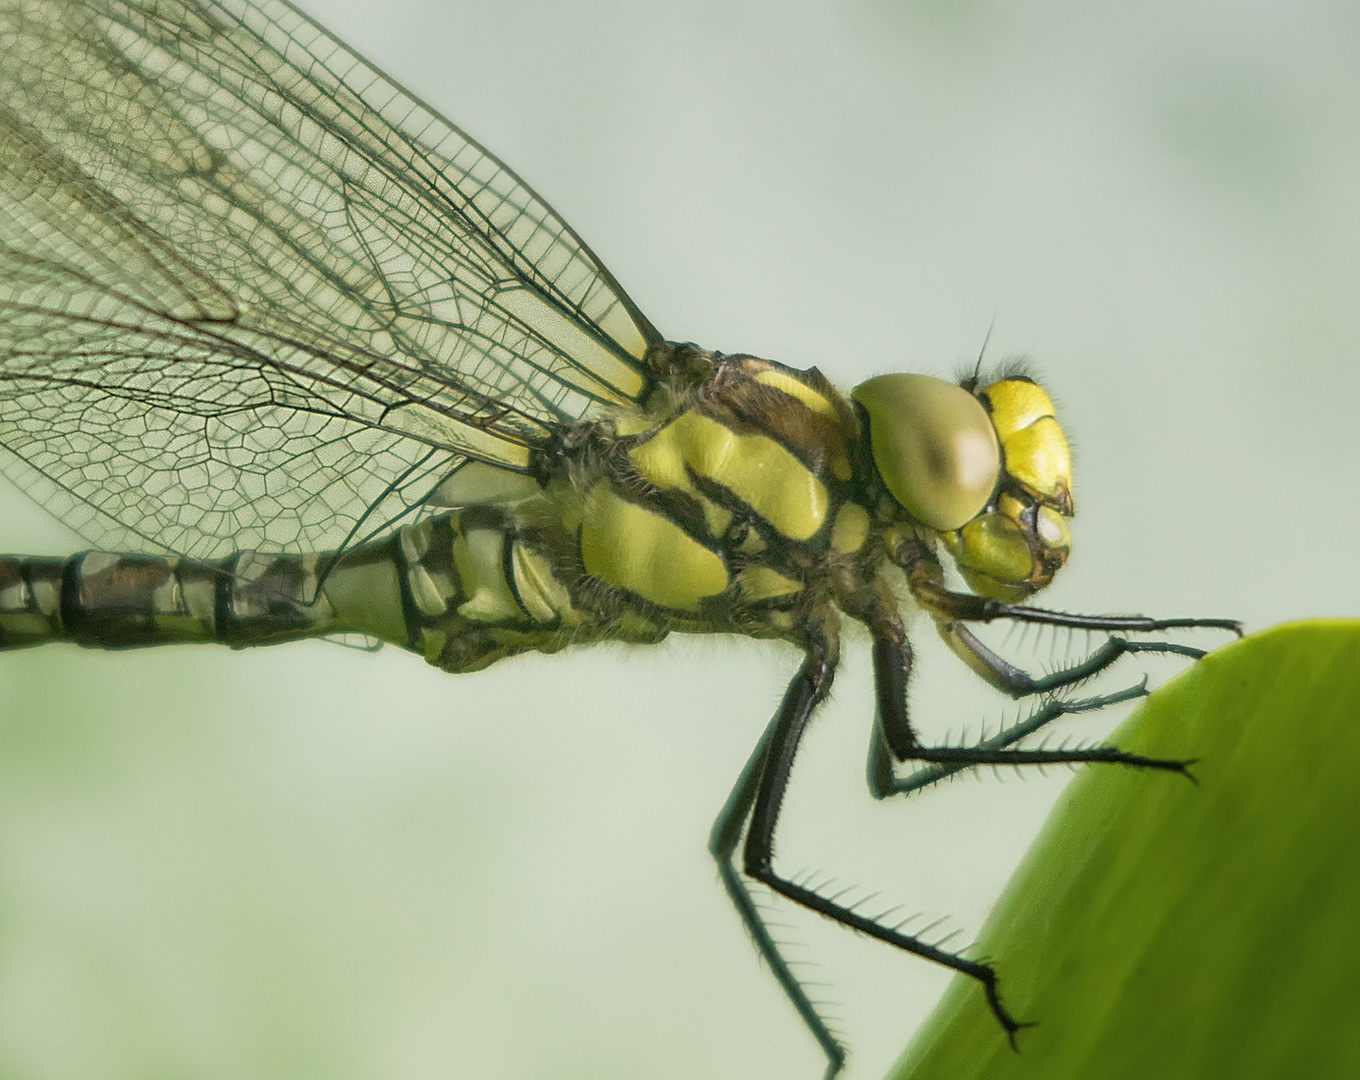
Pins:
<point x="733" y="500"/>
<point x="721" y="504"/>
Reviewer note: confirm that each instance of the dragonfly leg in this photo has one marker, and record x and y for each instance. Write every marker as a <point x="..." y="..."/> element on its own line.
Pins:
<point x="883" y="780"/>
<point x="722" y="844"/>
<point x="952" y="610"/>
<point x="770" y="779"/>
<point x="893" y="733"/>
<point x="1017" y="682"/>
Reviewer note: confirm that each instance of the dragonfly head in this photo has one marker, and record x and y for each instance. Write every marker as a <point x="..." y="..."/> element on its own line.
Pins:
<point x="987" y="468"/>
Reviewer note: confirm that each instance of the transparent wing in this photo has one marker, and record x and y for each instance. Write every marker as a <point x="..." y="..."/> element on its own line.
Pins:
<point x="254" y="294"/>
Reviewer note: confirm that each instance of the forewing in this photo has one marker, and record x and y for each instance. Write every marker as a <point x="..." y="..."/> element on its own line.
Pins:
<point x="253" y="294"/>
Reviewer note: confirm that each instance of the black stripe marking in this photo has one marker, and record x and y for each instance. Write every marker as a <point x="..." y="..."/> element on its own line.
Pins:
<point x="409" y="612"/>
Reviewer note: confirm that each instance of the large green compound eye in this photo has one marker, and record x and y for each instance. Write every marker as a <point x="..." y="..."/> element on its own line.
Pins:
<point x="934" y="445"/>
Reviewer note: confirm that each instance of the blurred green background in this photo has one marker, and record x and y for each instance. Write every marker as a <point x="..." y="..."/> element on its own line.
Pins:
<point x="314" y="862"/>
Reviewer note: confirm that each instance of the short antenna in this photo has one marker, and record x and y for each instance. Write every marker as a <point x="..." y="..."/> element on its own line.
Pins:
<point x="970" y="384"/>
<point x="977" y="367"/>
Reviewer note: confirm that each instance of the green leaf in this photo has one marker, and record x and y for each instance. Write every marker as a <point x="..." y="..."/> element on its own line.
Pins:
<point x="1160" y="930"/>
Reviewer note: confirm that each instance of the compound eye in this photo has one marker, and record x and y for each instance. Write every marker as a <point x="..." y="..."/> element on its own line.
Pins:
<point x="934" y="446"/>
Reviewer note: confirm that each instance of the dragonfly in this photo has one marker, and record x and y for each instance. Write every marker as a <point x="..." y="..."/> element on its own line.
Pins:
<point x="299" y="358"/>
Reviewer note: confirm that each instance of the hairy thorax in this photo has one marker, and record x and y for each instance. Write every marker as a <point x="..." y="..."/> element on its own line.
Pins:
<point x="734" y="504"/>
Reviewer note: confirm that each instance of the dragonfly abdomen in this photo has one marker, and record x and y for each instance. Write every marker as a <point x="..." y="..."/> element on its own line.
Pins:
<point x="463" y="589"/>
<point x="110" y="600"/>
<point x="418" y="589"/>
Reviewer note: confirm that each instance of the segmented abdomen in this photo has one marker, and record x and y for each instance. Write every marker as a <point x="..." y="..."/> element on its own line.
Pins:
<point x="116" y="600"/>
<point x="462" y="589"/>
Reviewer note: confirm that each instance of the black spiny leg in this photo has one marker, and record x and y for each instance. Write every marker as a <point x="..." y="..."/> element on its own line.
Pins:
<point x="770" y="782"/>
<point x="722" y="844"/>
<point x="952" y="610"/>
<point x="1018" y="683"/>
<point x="894" y="735"/>
<point x="759" y="793"/>
<point x="892" y="668"/>
<point x="883" y="780"/>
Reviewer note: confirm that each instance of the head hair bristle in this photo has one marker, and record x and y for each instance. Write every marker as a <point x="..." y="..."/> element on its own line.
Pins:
<point x="1015" y="367"/>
